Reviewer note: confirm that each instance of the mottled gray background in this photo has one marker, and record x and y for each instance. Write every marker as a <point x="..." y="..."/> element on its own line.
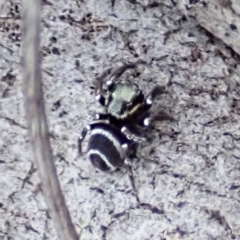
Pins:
<point x="187" y="175"/>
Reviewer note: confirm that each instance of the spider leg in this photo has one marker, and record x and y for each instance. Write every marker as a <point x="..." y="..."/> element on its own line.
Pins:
<point x="114" y="75"/>
<point x="99" y="81"/>
<point x="101" y="99"/>
<point x="132" y="136"/>
<point x="162" y="116"/>
<point x="128" y="165"/>
<point x="145" y="120"/>
<point x="159" y="116"/>
<point x="101" y="116"/>
<point x="132" y="181"/>
<point x="82" y="137"/>
<point x="119" y="71"/>
<point x="157" y="90"/>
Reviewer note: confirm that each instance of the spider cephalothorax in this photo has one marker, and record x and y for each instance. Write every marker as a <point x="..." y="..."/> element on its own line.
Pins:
<point x="115" y="132"/>
<point x="124" y="99"/>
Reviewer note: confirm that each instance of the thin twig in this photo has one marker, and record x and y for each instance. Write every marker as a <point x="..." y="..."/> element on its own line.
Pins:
<point x="37" y="124"/>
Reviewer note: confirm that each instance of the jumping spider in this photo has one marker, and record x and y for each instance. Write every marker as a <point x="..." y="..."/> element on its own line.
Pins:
<point x="114" y="134"/>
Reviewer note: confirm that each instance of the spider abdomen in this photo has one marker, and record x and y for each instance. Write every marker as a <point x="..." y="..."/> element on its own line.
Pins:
<point x="105" y="147"/>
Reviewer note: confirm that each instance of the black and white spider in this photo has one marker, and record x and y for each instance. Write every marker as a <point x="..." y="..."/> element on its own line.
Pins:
<point x="115" y="133"/>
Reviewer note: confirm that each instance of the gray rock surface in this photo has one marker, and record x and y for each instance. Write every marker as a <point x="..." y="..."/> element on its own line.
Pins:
<point x="220" y="17"/>
<point x="187" y="175"/>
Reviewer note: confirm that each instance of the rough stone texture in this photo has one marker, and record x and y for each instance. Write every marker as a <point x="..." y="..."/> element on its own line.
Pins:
<point x="187" y="176"/>
<point x="220" y="17"/>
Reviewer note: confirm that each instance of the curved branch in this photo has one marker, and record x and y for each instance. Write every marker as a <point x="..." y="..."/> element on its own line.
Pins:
<point x="37" y="123"/>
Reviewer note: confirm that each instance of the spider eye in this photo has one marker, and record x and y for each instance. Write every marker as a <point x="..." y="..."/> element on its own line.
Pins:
<point x="110" y="87"/>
